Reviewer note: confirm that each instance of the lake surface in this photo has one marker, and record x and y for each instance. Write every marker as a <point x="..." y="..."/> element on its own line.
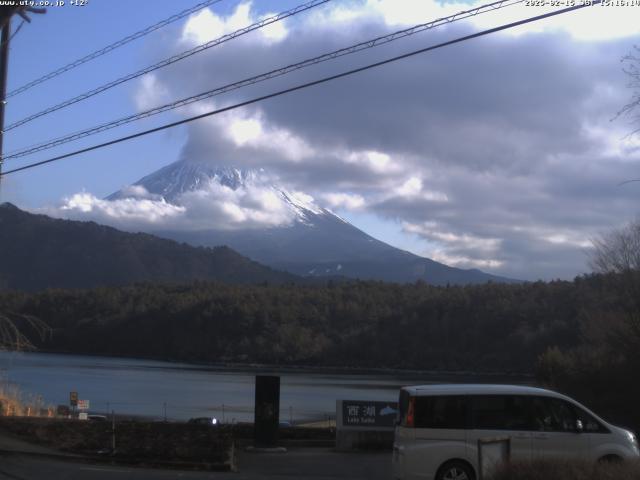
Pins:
<point x="147" y="387"/>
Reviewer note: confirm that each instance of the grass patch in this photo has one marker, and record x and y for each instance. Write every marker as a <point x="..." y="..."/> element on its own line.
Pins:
<point x="14" y="403"/>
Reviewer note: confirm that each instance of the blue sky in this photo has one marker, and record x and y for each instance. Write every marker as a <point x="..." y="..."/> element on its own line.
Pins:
<point x="61" y="36"/>
<point x="498" y="154"/>
<point x="80" y="30"/>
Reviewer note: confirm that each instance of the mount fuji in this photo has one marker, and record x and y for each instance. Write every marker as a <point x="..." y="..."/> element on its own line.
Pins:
<point x="314" y="242"/>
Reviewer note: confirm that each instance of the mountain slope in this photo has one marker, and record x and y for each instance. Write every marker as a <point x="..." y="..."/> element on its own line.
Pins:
<point x="41" y="252"/>
<point x="316" y="243"/>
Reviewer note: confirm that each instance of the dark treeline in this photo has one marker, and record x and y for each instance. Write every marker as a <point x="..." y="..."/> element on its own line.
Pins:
<point x="603" y="368"/>
<point x="491" y="327"/>
<point x="580" y="337"/>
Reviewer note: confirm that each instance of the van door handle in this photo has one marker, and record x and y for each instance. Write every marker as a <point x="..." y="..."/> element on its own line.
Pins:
<point x="541" y="436"/>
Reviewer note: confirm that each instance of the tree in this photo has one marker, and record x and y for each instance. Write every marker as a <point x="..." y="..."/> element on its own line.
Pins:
<point x="16" y="330"/>
<point x="631" y="68"/>
<point x="617" y="251"/>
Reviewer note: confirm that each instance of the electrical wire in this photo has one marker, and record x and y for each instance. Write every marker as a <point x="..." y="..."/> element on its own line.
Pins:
<point x="261" y="77"/>
<point x="304" y="85"/>
<point x="168" y="61"/>
<point x="112" y="46"/>
<point x="16" y="30"/>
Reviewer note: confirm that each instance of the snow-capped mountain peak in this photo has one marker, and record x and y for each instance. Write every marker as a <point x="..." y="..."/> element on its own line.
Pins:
<point x="173" y="181"/>
<point x="299" y="236"/>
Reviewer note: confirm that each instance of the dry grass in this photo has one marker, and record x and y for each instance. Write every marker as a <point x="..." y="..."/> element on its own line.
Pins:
<point x="13" y="403"/>
<point x="567" y="470"/>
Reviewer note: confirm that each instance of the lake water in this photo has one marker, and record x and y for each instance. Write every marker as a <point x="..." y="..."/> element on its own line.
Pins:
<point x="146" y="387"/>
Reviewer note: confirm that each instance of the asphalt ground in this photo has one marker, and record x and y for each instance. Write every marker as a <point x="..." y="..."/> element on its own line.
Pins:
<point x="302" y="463"/>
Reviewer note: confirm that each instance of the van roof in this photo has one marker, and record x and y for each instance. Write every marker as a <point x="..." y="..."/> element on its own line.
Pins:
<point x="477" y="389"/>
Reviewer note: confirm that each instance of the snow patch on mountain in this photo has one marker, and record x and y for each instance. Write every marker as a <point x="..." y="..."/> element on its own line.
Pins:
<point x="189" y="196"/>
<point x="178" y="182"/>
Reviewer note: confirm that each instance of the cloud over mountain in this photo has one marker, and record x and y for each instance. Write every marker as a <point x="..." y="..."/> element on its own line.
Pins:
<point x="497" y="153"/>
<point x="253" y="203"/>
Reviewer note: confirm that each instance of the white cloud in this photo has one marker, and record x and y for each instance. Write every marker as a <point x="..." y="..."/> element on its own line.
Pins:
<point x="219" y="207"/>
<point x="461" y="250"/>
<point x="465" y="262"/>
<point x="432" y="231"/>
<point x="127" y="213"/>
<point x="413" y="188"/>
<point x="593" y="23"/>
<point x="249" y="131"/>
<point x="244" y="131"/>
<point x="303" y="200"/>
<point x="206" y="26"/>
<point x="373" y="160"/>
<point x="563" y="239"/>
<point x="215" y="207"/>
<point x="274" y="32"/>
<point x="150" y="93"/>
<point x="349" y="201"/>
<point x="138" y="191"/>
<point x="410" y="188"/>
<point x="613" y="141"/>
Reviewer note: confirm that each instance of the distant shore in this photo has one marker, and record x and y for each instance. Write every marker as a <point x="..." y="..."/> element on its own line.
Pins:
<point x="317" y="369"/>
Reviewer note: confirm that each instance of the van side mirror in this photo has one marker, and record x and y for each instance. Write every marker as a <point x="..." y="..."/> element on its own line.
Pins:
<point x="579" y="426"/>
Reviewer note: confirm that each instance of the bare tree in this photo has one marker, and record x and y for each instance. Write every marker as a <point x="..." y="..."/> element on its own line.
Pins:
<point x="631" y="67"/>
<point x="617" y="251"/>
<point x="13" y="328"/>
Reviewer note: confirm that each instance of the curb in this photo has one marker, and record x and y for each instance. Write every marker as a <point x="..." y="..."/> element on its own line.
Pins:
<point x="252" y="449"/>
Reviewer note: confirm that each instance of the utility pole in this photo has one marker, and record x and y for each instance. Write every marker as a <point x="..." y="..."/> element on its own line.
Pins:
<point x="4" y="65"/>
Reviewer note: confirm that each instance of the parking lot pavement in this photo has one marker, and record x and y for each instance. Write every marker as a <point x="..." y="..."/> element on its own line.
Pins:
<point x="316" y="463"/>
<point x="308" y="463"/>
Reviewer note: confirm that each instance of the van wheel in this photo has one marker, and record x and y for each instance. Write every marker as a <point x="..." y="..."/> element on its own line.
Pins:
<point x="455" y="470"/>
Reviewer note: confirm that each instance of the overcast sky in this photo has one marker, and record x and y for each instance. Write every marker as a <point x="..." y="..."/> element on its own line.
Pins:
<point x="499" y="153"/>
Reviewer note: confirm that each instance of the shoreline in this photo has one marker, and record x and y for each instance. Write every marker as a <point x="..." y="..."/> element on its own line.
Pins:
<point x="309" y="369"/>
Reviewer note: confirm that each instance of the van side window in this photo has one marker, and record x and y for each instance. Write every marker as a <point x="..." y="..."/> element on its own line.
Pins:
<point x="500" y="412"/>
<point x="589" y="424"/>
<point x="553" y="415"/>
<point x="448" y="411"/>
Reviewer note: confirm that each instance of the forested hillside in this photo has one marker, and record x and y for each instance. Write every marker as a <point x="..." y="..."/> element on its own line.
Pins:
<point x="40" y="252"/>
<point x="495" y="327"/>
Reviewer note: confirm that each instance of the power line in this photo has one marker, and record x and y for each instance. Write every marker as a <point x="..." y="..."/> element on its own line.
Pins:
<point x="112" y="46"/>
<point x="628" y="181"/>
<point x="17" y="30"/>
<point x="304" y="85"/>
<point x="168" y="61"/>
<point x="262" y="77"/>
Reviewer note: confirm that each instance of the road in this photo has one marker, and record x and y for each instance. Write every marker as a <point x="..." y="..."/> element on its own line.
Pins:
<point x="308" y="463"/>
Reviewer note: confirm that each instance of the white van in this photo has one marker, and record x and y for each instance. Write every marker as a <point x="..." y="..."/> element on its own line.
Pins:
<point x="439" y="428"/>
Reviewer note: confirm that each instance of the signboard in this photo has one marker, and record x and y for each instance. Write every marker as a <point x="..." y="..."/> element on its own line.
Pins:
<point x="83" y="416"/>
<point x="492" y="452"/>
<point x="83" y="404"/>
<point x="367" y="413"/>
<point x="73" y="399"/>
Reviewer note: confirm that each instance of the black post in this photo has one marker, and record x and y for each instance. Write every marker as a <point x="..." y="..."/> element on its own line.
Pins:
<point x="4" y="66"/>
<point x="267" y="410"/>
<point x="113" y="432"/>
